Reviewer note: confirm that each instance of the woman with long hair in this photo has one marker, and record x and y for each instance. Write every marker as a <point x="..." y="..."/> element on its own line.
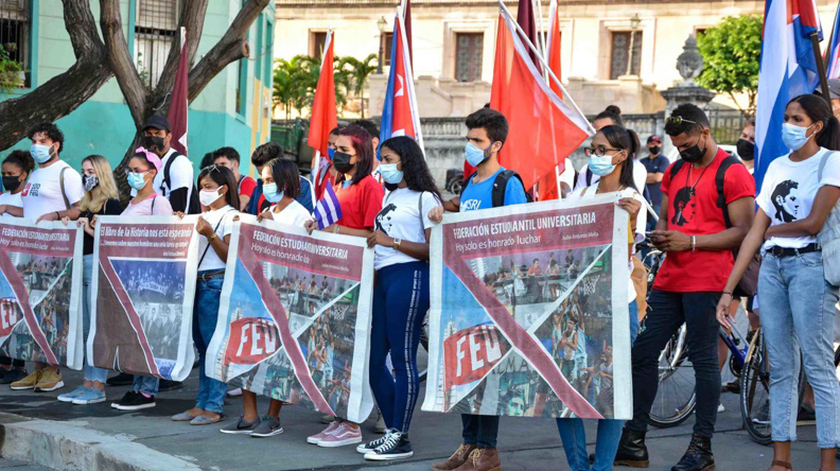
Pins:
<point x="401" y="291"/>
<point x="101" y="199"/>
<point x="218" y="195"/>
<point x="797" y="303"/>
<point x="611" y="157"/>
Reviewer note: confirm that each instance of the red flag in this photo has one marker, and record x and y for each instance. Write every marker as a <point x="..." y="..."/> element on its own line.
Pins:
<point x="179" y="108"/>
<point x="323" y="119"/>
<point x="543" y="129"/>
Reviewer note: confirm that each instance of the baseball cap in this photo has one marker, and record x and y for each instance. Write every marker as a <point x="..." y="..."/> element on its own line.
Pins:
<point x="157" y="121"/>
<point x="654" y="138"/>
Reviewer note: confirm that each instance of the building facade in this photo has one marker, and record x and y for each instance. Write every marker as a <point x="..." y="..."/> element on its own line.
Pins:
<point x="233" y="110"/>
<point x="620" y="52"/>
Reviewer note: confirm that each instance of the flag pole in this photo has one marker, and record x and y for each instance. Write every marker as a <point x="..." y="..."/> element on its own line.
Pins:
<point x="412" y="94"/>
<point x="317" y="164"/>
<point x="533" y="48"/>
<point x="815" y="45"/>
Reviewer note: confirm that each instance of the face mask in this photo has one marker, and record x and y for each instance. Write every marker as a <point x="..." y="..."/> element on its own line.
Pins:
<point x="208" y="197"/>
<point x="341" y="161"/>
<point x="90" y="182"/>
<point x="693" y="154"/>
<point x="474" y="155"/>
<point x="601" y="165"/>
<point x="746" y="149"/>
<point x="331" y="153"/>
<point x="795" y="136"/>
<point x="153" y="143"/>
<point x="40" y="153"/>
<point x="655" y="150"/>
<point x="136" y="180"/>
<point x="271" y="194"/>
<point x="11" y="183"/>
<point x="390" y="173"/>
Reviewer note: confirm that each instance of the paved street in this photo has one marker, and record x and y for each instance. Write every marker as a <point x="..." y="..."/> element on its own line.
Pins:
<point x="526" y="444"/>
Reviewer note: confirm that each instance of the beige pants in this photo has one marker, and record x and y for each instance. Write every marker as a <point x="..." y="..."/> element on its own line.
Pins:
<point x="639" y="277"/>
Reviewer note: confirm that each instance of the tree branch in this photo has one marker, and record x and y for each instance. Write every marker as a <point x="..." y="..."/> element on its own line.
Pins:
<point x="133" y="89"/>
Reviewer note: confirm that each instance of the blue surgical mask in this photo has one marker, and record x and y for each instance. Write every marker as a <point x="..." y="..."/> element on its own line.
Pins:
<point x="390" y="173"/>
<point x="40" y="153"/>
<point x="271" y="194"/>
<point x="474" y="155"/>
<point x="601" y="165"/>
<point x="795" y="136"/>
<point x="330" y="153"/>
<point x="136" y="180"/>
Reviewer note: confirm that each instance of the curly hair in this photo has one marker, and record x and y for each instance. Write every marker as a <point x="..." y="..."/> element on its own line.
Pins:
<point x="51" y="131"/>
<point x="415" y="171"/>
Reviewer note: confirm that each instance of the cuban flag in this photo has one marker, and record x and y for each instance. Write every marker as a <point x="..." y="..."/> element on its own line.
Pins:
<point x="400" y="116"/>
<point x="328" y="209"/>
<point x="832" y="59"/>
<point x="788" y="69"/>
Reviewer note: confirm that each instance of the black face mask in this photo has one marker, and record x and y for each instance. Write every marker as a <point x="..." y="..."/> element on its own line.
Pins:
<point x="153" y="143"/>
<point x="693" y="154"/>
<point x="341" y="161"/>
<point x="655" y="150"/>
<point x="11" y="183"/>
<point x="746" y="149"/>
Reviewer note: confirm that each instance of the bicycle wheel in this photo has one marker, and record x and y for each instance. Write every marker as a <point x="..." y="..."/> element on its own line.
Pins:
<point x="675" y="398"/>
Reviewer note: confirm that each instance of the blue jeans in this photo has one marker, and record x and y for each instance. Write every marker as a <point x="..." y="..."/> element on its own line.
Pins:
<point x="400" y="302"/>
<point x="797" y="312"/>
<point x="146" y="385"/>
<point x="92" y="373"/>
<point x="480" y="430"/>
<point x="573" y="434"/>
<point x="211" y="392"/>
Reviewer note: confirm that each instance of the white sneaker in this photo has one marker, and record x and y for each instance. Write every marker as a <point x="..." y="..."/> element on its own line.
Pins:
<point x="721" y="408"/>
<point x="234" y="392"/>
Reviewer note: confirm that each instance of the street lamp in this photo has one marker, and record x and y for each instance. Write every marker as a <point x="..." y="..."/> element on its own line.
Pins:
<point x="381" y="24"/>
<point x="635" y="21"/>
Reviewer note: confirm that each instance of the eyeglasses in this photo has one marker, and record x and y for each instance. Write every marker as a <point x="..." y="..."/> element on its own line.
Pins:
<point x="211" y="168"/>
<point x="600" y="151"/>
<point x="678" y="120"/>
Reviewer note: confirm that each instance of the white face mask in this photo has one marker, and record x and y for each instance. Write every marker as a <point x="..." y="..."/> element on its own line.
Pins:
<point x="208" y="197"/>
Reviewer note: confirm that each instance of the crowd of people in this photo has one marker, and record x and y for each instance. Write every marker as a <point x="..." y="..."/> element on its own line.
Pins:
<point x="705" y="204"/>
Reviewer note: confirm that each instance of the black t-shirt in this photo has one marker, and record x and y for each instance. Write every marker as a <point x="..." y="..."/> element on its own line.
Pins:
<point x="111" y="207"/>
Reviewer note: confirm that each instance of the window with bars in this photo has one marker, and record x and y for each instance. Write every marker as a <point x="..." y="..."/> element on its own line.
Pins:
<point x="469" y="48"/>
<point x="15" y="37"/>
<point x="620" y="54"/>
<point x="387" y="44"/>
<point x="317" y="41"/>
<point x="155" y="31"/>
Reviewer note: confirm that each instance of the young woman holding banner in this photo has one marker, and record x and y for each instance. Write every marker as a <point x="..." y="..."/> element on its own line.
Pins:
<point x="281" y="185"/>
<point x="360" y="198"/>
<point x="219" y="198"/>
<point x="401" y="291"/>
<point x="100" y="198"/>
<point x="611" y="157"/>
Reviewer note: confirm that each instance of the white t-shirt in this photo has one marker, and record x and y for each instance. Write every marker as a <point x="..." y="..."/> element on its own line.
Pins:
<point x="400" y="218"/>
<point x="568" y="175"/>
<point x="789" y="189"/>
<point x="638" y="233"/>
<point x="222" y="221"/>
<point x="639" y="176"/>
<point x="42" y="193"/>
<point x="292" y="215"/>
<point x="11" y="199"/>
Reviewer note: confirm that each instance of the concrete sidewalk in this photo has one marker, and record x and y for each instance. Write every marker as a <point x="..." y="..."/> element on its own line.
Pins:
<point x="37" y="431"/>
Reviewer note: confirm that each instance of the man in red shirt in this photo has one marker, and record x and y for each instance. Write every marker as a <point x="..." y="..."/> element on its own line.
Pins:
<point x="229" y="157"/>
<point x="698" y="228"/>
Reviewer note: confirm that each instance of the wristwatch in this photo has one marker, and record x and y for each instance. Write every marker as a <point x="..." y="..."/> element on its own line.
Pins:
<point x="397" y="243"/>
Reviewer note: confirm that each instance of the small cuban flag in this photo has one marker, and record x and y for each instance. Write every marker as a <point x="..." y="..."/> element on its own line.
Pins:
<point x="328" y="209"/>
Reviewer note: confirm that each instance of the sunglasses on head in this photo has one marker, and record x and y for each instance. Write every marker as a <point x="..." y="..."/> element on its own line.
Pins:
<point x="678" y="120"/>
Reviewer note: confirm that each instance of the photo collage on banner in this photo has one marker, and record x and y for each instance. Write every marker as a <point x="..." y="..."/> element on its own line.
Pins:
<point x="298" y="318"/>
<point x="144" y="287"/>
<point x="40" y="292"/>
<point x="529" y="305"/>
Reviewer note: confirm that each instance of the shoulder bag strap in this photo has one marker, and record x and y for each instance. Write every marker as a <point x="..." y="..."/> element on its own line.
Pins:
<point x="61" y="183"/>
<point x="214" y="231"/>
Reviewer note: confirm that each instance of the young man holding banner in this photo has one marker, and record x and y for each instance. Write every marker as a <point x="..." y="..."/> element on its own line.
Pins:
<point x="487" y="133"/>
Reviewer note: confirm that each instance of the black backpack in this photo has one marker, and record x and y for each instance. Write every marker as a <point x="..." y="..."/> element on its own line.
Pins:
<point x="500" y="185"/>
<point x="193" y="206"/>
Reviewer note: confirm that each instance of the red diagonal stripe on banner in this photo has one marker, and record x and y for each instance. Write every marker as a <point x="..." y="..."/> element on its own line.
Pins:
<point x="130" y="313"/>
<point x="523" y="341"/>
<point x="22" y="295"/>
<point x="275" y="308"/>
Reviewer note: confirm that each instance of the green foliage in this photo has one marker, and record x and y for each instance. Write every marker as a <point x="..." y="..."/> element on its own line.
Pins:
<point x="355" y="74"/>
<point x="10" y="71"/>
<point x="731" y="53"/>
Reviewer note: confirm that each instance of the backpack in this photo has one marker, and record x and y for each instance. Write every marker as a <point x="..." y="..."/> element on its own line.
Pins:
<point x="829" y="236"/>
<point x="193" y="206"/>
<point x="500" y="186"/>
<point x="749" y="282"/>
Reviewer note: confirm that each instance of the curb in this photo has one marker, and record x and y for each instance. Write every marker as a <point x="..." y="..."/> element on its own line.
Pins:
<point x="71" y="446"/>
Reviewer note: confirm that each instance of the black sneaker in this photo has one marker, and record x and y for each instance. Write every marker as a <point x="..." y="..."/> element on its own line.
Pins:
<point x="134" y="400"/>
<point x="396" y="447"/>
<point x="168" y="385"/>
<point x="122" y="379"/>
<point x="12" y="376"/>
<point x="370" y="446"/>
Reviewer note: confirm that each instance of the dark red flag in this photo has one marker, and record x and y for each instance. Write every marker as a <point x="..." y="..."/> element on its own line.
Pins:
<point x="179" y="108"/>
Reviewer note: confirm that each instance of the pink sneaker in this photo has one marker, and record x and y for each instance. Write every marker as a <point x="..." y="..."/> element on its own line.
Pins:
<point x="316" y="439"/>
<point x="345" y="434"/>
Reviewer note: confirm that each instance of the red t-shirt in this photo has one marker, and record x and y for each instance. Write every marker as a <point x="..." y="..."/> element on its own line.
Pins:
<point x="697" y="213"/>
<point x="360" y="203"/>
<point x="246" y="186"/>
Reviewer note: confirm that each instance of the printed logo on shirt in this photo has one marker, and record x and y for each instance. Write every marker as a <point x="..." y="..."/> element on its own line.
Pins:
<point x="31" y="189"/>
<point x="470" y="205"/>
<point x="684" y="209"/>
<point x="785" y="201"/>
<point x="383" y="221"/>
